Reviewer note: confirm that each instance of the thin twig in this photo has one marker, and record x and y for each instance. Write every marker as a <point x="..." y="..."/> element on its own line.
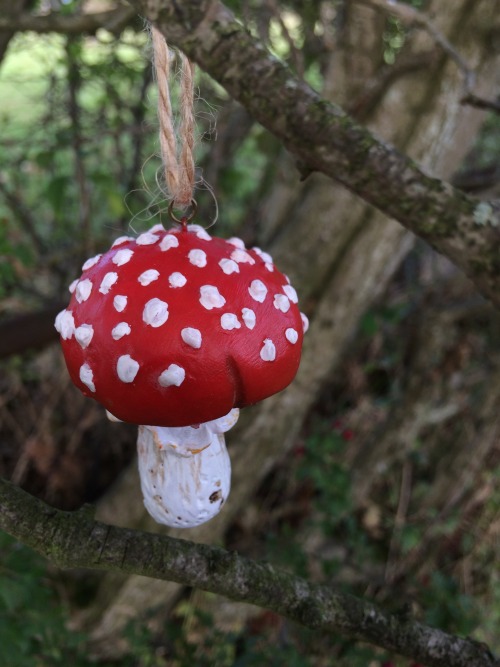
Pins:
<point x="409" y="16"/>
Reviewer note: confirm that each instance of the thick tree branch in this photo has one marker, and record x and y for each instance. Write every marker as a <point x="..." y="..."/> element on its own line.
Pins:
<point x="324" y="138"/>
<point x="113" y="20"/>
<point x="74" y="539"/>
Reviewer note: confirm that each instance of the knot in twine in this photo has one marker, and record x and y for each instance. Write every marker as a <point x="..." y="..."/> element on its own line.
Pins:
<point x="176" y="151"/>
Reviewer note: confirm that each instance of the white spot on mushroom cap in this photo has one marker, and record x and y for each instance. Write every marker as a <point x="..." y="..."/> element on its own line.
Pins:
<point x="229" y="266"/>
<point x="122" y="256"/>
<point x="155" y="312"/>
<point x="229" y="321"/>
<point x="83" y="290"/>
<point x="197" y="257"/>
<point x="120" y="302"/>
<point x="121" y="329"/>
<point x="258" y="290"/>
<point x="291" y="293"/>
<point x="269" y="267"/>
<point x="291" y="335"/>
<point x="121" y="239"/>
<point x="169" y="241"/>
<point x="177" y="279"/>
<point x="127" y="368"/>
<point x="200" y="232"/>
<point x="238" y="243"/>
<point x="305" y="322"/>
<point x="242" y="257"/>
<point x="157" y="228"/>
<point x="149" y="276"/>
<point x="268" y="351"/>
<point x="248" y="317"/>
<point x="210" y="297"/>
<point x="65" y="324"/>
<point x="108" y="281"/>
<point x="191" y="337"/>
<point x="112" y="417"/>
<point x="87" y="376"/>
<point x="146" y="239"/>
<point x="84" y="334"/>
<point x="265" y="256"/>
<point x="173" y="376"/>
<point x="73" y="285"/>
<point x="92" y="261"/>
<point x="281" y="302"/>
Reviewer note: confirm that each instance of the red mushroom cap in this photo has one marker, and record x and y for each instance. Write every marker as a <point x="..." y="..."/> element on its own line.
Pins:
<point x="176" y="328"/>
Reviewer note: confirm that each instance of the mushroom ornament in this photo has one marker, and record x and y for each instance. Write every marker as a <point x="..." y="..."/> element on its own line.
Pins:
<point x="175" y="331"/>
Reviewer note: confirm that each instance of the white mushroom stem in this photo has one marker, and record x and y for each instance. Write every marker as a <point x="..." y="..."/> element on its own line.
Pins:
<point x="185" y="472"/>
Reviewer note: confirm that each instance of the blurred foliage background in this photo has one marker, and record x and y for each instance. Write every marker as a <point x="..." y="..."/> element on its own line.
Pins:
<point x="413" y="525"/>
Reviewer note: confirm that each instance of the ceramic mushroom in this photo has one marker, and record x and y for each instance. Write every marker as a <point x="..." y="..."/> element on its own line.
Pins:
<point x="175" y="330"/>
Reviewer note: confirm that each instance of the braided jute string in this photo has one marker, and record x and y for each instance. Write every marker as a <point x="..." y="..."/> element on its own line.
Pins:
<point x="177" y="154"/>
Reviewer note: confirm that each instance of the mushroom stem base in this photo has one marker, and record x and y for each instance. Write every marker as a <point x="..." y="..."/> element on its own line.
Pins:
<point x="185" y="472"/>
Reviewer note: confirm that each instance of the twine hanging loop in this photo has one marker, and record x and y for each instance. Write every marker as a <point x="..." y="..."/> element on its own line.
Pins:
<point x="176" y="147"/>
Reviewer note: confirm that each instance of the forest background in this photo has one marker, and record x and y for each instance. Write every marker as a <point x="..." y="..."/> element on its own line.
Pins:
<point x="377" y="471"/>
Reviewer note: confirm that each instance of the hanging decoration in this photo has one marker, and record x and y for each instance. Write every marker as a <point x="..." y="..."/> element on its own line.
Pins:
<point x="176" y="330"/>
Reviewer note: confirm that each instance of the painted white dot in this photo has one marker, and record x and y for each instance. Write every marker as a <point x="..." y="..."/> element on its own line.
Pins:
<point x="148" y="277"/>
<point x="238" y="243"/>
<point x="281" y="302"/>
<point x="210" y="297"/>
<point x="191" y="337"/>
<point x="173" y="375"/>
<point x="265" y="256"/>
<point x="177" y="279"/>
<point x="65" y="324"/>
<point x="169" y="241"/>
<point x="305" y="322"/>
<point x="229" y="266"/>
<point x="127" y="368"/>
<point x="107" y="282"/>
<point x="91" y="262"/>
<point x="248" y="317"/>
<point x="147" y="239"/>
<point x="291" y="293"/>
<point x="155" y="312"/>
<point x="121" y="239"/>
<point x="229" y="321"/>
<point x="121" y="329"/>
<point x="158" y="228"/>
<point x="268" y="351"/>
<point x="83" y="290"/>
<point x="84" y="334"/>
<point x="200" y="232"/>
<point x="197" y="257"/>
<point x="269" y="267"/>
<point x="257" y="290"/>
<point x="120" y="302"/>
<point x="123" y="256"/>
<point x="87" y="376"/>
<point x="73" y="285"/>
<point x="291" y="335"/>
<point x="242" y="257"/>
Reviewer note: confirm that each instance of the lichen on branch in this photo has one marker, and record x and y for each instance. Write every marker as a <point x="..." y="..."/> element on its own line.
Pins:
<point x="326" y="139"/>
<point x="76" y="540"/>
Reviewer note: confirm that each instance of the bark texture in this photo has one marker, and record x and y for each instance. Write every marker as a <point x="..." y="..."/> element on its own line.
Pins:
<point x="324" y="138"/>
<point x="79" y="541"/>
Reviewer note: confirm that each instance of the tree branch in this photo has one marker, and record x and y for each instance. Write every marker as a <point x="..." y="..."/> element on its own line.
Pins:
<point x="74" y="539"/>
<point x="113" y="20"/>
<point x="324" y="138"/>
